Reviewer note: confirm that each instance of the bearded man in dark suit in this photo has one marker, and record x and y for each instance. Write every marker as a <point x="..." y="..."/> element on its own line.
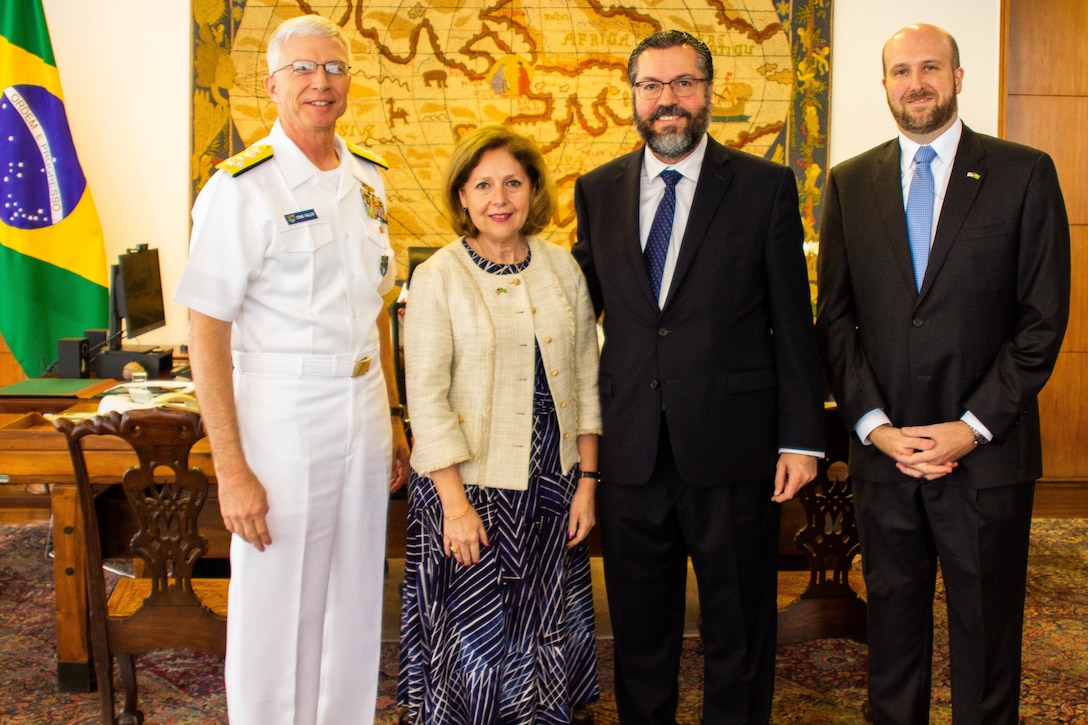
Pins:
<point x="710" y="388"/>
<point x="944" y="294"/>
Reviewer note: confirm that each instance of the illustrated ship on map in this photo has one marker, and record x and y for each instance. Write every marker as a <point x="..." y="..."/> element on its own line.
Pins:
<point x="729" y="105"/>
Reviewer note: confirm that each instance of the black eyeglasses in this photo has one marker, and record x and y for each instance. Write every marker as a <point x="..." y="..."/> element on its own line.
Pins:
<point x="306" y="67"/>
<point x="681" y="87"/>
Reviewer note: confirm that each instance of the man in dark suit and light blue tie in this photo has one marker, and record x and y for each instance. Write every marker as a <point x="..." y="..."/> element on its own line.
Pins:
<point x="710" y="389"/>
<point x="944" y="294"/>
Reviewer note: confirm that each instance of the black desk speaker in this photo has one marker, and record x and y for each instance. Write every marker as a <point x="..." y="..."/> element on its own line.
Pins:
<point x="96" y="338"/>
<point x="72" y="359"/>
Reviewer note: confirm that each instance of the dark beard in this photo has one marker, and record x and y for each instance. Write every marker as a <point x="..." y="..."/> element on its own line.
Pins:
<point x="673" y="144"/>
<point x="941" y="114"/>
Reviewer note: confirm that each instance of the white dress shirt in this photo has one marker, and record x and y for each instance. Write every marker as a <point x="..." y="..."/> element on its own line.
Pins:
<point x="652" y="189"/>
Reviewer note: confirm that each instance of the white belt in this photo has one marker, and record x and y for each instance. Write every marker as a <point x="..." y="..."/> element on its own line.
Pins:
<point x="302" y="366"/>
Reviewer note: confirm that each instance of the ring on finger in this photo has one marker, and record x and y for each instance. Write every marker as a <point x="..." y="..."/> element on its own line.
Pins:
<point x="453" y="549"/>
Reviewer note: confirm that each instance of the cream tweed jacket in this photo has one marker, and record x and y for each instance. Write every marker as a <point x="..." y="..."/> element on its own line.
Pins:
<point x="469" y="362"/>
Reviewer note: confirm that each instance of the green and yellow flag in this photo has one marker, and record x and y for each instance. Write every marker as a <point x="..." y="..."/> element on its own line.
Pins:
<point x="53" y="274"/>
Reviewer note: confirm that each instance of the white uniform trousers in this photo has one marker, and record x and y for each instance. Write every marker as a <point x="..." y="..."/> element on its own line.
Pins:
<point x="304" y="619"/>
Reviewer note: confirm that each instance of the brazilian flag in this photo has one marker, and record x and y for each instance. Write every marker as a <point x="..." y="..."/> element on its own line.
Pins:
<point x="53" y="275"/>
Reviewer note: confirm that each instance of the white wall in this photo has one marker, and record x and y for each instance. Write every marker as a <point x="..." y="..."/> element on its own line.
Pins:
<point x="125" y="71"/>
<point x="124" y="68"/>
<point x="859" y="110"/>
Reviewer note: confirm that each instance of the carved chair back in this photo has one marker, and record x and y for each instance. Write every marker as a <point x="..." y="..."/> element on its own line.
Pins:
<point x="165" y="607"/>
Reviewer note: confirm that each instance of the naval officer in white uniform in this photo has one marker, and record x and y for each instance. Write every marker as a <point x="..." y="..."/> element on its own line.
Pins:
<point x="290" y="256"/>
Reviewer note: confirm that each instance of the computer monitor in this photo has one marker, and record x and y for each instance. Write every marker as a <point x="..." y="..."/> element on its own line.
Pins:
<point x="136" y="302"/>
<point x="135" y="295"/>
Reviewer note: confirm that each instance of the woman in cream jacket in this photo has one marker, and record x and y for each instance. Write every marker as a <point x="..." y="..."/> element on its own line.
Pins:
<point x="501" y="370"/>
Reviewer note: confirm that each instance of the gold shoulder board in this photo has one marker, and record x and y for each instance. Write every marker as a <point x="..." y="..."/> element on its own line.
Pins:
<point x="365" y="153"/>
<point x="246" y="160"/>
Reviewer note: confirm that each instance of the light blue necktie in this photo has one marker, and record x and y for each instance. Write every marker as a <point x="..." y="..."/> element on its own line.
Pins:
<point x="657" y="244"/>
<point x="920" y="212"/>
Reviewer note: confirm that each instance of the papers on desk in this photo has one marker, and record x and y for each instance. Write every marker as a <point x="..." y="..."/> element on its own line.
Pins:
<point x="154" y="387"/>
<point x="150" y="394"/>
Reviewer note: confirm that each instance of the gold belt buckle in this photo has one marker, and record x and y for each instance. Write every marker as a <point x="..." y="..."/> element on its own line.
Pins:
<point x="361" y="367"/>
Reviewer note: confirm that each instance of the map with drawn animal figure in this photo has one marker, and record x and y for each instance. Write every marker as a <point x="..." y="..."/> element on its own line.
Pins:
<point x="425" y="72"/>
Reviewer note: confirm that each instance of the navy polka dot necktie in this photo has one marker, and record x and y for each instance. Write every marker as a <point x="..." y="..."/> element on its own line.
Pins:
<point x="657" y="244"/>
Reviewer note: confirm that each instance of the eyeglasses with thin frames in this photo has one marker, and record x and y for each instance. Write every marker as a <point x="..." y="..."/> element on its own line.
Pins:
<point x="681" y="88"/>
<point x="306" y="67"/>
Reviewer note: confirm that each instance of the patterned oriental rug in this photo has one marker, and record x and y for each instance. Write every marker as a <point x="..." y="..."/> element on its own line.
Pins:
<point x="822" y="681"/>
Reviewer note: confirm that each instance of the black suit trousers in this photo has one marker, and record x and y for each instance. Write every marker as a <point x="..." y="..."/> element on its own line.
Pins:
<point x="980" y="539"/>
<point x="730" y="532"/>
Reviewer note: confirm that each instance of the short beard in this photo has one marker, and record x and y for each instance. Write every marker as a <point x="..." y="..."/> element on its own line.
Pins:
<point x="673" y="144"/>
<point x="941" y="114"/>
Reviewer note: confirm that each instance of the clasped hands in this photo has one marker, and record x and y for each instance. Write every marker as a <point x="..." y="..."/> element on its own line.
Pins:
<point x="925" y="451"/>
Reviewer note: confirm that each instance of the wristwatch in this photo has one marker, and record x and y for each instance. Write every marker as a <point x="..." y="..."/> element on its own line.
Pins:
<point x="980" y="440"/>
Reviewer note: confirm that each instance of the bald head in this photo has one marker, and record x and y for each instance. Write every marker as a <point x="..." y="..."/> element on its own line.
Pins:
<point x="922" y="29"/>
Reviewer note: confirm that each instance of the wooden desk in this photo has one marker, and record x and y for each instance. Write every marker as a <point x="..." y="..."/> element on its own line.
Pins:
<point x="26" y="403"/>
<point x="32" y="451"/>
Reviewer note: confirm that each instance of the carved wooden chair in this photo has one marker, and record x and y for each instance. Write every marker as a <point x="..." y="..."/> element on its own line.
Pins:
<point x="829" y="540"/>
<point x="167" y="608"/>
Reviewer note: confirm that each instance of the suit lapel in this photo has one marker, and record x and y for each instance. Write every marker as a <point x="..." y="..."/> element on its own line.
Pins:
<point x="715" y="178"/>
<point x="967" y="176"/>
<point x="626" y="191"/>
<point x="888" y="183"/>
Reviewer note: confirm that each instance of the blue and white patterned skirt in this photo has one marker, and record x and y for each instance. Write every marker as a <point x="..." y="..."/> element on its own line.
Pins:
<point x="510" y="640"/>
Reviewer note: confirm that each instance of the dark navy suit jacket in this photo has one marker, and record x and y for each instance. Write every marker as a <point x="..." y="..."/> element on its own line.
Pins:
<point x="732" y="358"/>
<point x="983" y="333"/>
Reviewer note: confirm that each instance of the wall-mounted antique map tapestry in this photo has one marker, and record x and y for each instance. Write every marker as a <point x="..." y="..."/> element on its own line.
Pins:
<point x="426" y="71"/>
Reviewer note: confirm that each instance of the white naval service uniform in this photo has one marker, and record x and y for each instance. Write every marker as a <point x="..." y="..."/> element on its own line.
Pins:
<point x="298" y="260"/>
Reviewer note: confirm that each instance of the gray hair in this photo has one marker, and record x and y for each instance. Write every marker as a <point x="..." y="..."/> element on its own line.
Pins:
<point x="304" y="26"/>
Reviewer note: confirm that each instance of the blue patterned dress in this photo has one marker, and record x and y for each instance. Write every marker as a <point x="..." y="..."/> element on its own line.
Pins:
<point x="511" y="640"/>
